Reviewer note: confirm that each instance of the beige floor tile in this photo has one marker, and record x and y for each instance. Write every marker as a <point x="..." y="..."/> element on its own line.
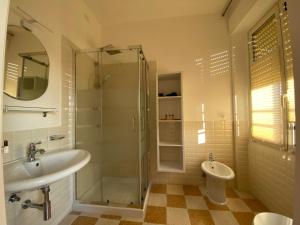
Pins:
<point x="195" y="202"/>
<point x="176" y="201"/>
<point x="244" y="195"/>
<point x="85" y="220"/>
<point x="155" y="214"/>
<point x="102" y="221"/>
<point x="152" y="224"/>
<point x="230" y="193"/>
<point x="157" y="199"/>
<point x="200" y="217"/>
<point x="68" y="220"/>
<point x="133" y="219"/>
<point x="174" y="189"/>
<point x="158" y="188"/>
<point x="244" y="218"/>
<point x="112" y="217"/>
<point x="126" y="222"/>
<point x="237" y="205"/>
<point x="212" y="206"/>
<point x="191" y="190"/>
<point x="223" y="218"/>
<point x="176" y="216"/>
<point x="255" y="205"/>
<point x="90" y="214"/>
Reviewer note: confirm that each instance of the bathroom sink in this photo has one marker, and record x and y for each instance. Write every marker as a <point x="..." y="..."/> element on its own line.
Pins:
<point x="46" y="169"/>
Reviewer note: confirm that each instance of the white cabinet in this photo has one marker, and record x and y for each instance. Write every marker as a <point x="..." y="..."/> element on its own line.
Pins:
<point x="170" y="152"/>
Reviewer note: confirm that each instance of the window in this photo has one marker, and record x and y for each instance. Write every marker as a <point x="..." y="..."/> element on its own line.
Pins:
<point x="272" y="80"/>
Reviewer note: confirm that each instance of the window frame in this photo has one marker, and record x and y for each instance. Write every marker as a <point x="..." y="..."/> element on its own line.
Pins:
<point x="275" y="10"/>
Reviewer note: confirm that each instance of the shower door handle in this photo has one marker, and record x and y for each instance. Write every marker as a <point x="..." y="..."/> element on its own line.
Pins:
<point x="133" y="119"/>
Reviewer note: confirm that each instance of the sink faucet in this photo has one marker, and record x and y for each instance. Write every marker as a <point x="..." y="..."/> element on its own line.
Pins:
<point x="211" y="157"/>
<point x="32" y="151"/>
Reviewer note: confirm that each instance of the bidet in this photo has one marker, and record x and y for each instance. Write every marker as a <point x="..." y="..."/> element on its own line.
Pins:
<point x="216" y="176"/>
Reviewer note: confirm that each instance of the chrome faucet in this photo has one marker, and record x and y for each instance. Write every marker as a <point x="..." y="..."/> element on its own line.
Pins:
<point x="32" y="151"/>
<point x="211" y="157"/>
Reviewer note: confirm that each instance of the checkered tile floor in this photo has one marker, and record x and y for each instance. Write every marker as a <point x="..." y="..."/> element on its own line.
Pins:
<point x="182" y="205"/>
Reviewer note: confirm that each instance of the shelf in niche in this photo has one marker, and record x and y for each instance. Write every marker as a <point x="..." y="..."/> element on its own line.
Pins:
<point x="170" y="121"/>
<point x="170" y="131"/>
<point x="169" y="97"/>
<point x="170" y="166"/>
<point x="169" y="144"/>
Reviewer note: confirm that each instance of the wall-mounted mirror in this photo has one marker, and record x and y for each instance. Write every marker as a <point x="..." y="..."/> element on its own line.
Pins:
<point x="26" y="65"/>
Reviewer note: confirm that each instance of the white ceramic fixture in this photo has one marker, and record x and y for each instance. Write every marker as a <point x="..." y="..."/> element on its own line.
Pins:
<point x="22" y="175"/>
<point x="216" y="175"/>
<point x="267" y="218"/>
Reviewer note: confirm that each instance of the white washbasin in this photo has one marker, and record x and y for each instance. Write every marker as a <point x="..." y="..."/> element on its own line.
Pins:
<point x="268" y="218"/>
<point x="46" y="169"/>
<point x="217" y="170"/>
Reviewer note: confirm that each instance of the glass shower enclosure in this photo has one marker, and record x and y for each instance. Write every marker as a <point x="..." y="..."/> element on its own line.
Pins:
<point x="111" y="123"/>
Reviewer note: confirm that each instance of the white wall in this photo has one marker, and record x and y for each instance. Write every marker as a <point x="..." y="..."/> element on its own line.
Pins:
<point x="70" y="19"/>
<point x="4" y="5"/>
<point x="197" y="46"/>
<point x="272" y="177"/>
<point x="185" y="44"/>
<point x="240" y="81"/>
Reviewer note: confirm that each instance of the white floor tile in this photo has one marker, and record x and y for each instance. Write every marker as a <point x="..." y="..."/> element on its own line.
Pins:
<point x="177" y="216"/>
<point x="68" y="220"/>
<point x="237" y="205"/>
<point x="175" y="189"/>
<point x="223" y="218"/>
<point x="157" y="199"/>
<point x="195" y="202"/>
<point x="90" y="214"/>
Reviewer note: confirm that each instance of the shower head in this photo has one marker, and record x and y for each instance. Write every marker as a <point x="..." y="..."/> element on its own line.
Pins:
<point x="110" y="49"/>
<point x="113" y="51"/>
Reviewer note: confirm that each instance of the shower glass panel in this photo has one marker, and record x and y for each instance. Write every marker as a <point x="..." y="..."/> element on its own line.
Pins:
<point x="88" y="125"/>
<point x="111" y="124"/>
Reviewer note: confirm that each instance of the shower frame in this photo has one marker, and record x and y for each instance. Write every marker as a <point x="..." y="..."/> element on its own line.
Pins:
<point x="142" y="199"/>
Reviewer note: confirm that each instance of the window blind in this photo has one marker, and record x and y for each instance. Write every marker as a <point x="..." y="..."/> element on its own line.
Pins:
<point x="266" y="83"/>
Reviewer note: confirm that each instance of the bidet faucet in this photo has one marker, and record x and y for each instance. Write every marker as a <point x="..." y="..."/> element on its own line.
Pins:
<point x="210" y="157"/>
<point x="32" y="151"/>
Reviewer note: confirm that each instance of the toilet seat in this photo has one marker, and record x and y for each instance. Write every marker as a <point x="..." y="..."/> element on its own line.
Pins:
<point x="267" y="218"/>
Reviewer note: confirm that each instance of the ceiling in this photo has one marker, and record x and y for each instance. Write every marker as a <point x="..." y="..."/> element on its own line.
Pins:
<point x="111" y="12"/>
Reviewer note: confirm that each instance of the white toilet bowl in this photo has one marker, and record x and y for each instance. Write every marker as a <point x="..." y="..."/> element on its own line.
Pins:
<point x="267" y="218"/>
<point x="216" y="175"/>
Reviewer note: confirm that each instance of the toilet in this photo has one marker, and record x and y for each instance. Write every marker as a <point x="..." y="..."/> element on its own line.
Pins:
<point x="267" y="218"/>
